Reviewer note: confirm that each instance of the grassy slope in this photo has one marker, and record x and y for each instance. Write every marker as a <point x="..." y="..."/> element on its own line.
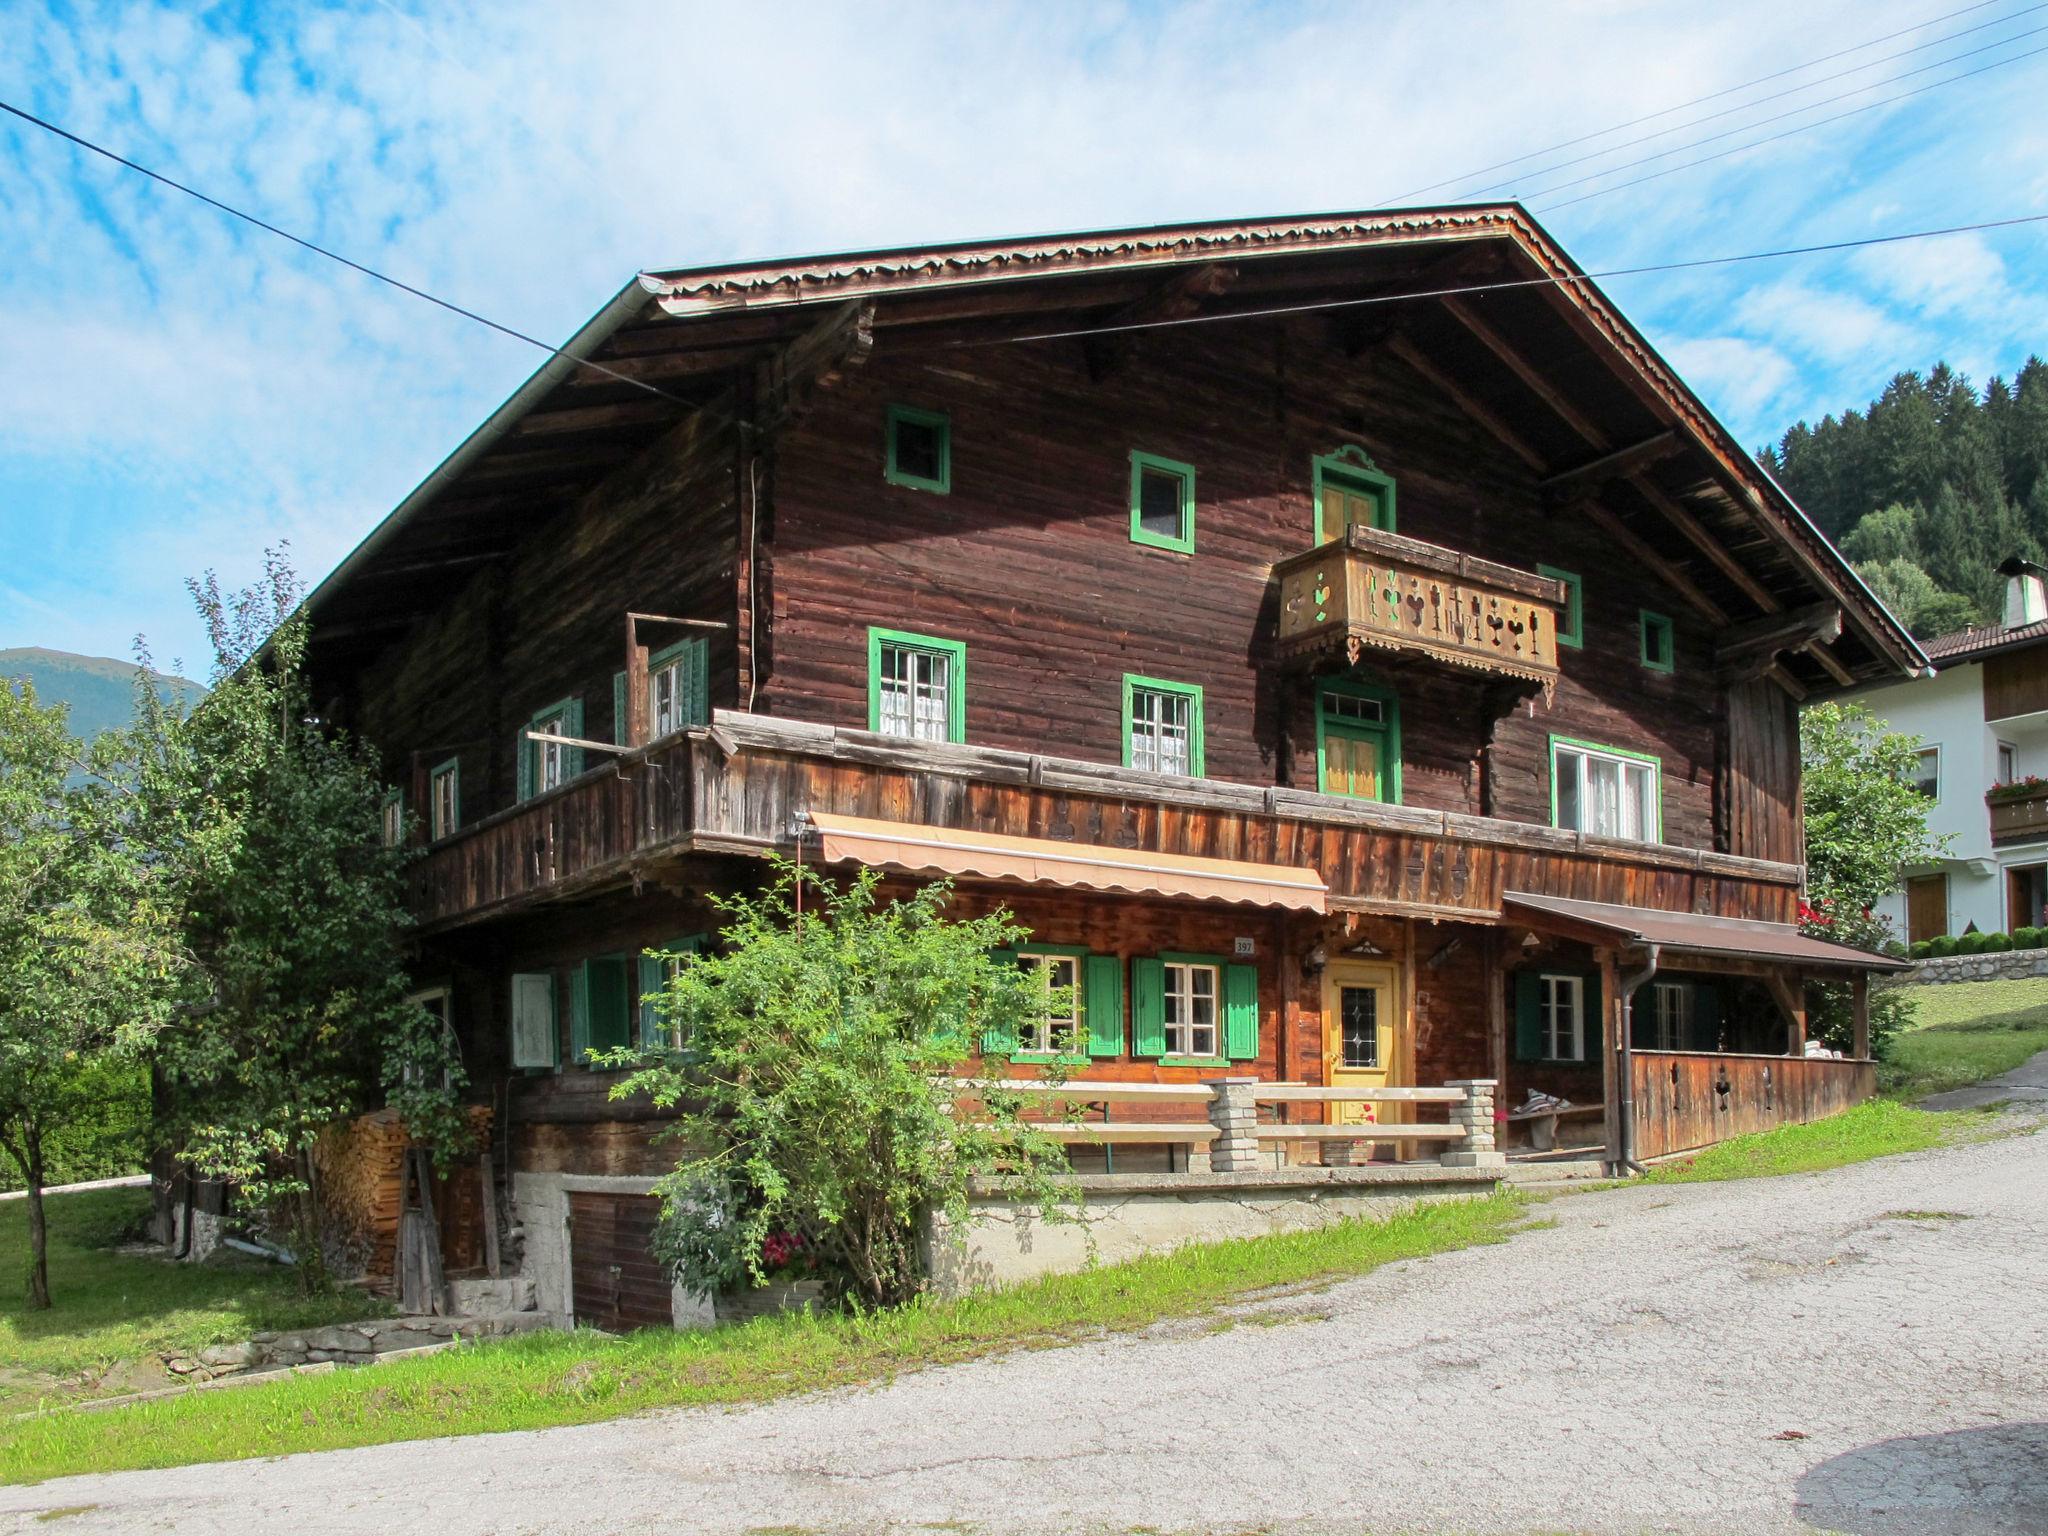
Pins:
<point x="1877" y="1129"/>
<point x="1966" y="1032"/>
<point x="114" y="1315"/>
<point x="568" y="1378"/>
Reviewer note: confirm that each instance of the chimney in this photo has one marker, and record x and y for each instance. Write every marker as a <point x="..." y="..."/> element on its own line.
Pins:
<point x="2026" y="601"/>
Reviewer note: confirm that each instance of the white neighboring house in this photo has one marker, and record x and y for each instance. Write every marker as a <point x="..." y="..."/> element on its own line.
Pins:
<point x="1982" y="718"/>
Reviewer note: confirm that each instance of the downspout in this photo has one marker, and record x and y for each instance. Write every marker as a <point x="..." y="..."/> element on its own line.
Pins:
<point x="1626" y="1152"/>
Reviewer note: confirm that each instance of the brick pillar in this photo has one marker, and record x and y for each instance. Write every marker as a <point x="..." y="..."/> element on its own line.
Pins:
<point x="1235" y="1114"/>
<point x="1475" y="1117"/>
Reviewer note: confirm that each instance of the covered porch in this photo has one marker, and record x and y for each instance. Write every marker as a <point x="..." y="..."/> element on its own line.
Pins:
<point x="1703" y="1031"/>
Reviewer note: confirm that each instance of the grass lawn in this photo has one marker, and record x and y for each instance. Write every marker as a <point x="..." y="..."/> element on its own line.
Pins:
<point x="542" y="1379"/>
<point x="1876" y="1129"/>
<point x="1965" y="1032"/>
<point x="114" y="1315"/>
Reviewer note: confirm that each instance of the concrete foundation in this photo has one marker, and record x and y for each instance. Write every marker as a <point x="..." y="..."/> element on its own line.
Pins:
<point x="1129" y="1214"/>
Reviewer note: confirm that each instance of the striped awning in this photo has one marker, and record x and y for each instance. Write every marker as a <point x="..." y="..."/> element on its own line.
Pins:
<point x="926" y="850"/>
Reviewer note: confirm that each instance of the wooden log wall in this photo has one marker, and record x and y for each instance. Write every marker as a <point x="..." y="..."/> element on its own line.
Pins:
<point x="1028" y="559"/>
<point x="1680" y="1102"/>
<point x="1760" y="783"/>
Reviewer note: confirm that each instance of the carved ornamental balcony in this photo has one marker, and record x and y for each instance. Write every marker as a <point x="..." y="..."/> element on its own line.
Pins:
<point x="1374" y="591"/>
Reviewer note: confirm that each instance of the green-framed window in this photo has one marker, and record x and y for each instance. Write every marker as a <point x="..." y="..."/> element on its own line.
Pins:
<point x="600" y="1007"/>
<point x="1349" y="488"/>
<point x="1606" y="791"/>
<point x="536" y="1042"/>
<point x="545" y="764"/>
<point x="444" y="799"/>
<point x="391" y="818"/>
<point x="1571" y="624"/>
<point x="1358" y="740"/>
<point x="1557" y="1016"/>
<point x="1163" y="726"/>
<point x="1656" y="644"/>
<point x="1162" y="503"/>
<point x="919" y="449"/>
<point x="678" y="690"/>
<point x="659" y="964"/>
<point x="917" y="686"/>
<point x="1194" y="1009"/>
<point x="1088" y="1017"/>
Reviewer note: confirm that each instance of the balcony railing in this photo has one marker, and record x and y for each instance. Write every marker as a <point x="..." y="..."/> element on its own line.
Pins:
<point x="2018" y="816"/>
<point x="1379" y="591"/>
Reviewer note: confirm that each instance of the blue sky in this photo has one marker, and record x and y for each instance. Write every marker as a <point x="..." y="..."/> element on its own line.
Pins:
<point x="177" y="391"/>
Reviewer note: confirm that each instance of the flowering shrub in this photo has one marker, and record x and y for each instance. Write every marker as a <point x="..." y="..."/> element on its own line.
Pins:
<point x="2017" y="789"/>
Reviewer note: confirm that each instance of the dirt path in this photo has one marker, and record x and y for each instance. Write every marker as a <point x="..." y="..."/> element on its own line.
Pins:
<point x="1774" y="1356"/>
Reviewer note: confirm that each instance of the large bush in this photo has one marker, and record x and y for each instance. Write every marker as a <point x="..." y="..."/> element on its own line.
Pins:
<point x="1972" y="943"/>
<point x="1996" y="943"/>
<point x="821" y="1062"/>
<point x="1941" y="948"/>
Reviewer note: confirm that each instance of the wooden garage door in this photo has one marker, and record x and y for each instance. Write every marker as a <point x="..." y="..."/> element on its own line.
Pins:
<point x="615" y="1281"/>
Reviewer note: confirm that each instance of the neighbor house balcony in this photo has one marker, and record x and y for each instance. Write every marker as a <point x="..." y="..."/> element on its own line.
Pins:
<point x="1379" y="592"/>
<point x="2019" y="812"/>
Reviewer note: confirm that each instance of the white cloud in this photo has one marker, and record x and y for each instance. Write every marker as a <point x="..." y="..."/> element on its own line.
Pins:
<point x="1741" y="377"/>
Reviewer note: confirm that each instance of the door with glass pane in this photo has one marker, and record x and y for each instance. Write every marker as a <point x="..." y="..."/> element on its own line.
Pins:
<point x="1359" y="1037"/>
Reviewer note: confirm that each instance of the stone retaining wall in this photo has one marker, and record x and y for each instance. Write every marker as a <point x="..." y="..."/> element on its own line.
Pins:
<point x="2010" y="965"/>
<point x="343" y="1343"/>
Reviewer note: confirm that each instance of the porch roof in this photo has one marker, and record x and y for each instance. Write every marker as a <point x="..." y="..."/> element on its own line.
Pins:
<point x="1689" y="933"/>
<point x="921" y="849"/>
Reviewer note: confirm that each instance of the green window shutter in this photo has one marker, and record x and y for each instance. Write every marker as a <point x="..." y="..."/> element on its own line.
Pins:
<point x="572" y="757"/>
<point x="1241" y="1012"/>
<point x="611" y="1003"/>
<point x="522" y="754"/>
<point x="1148" y="1007"/>
<point x="619" y="708"/>
<point x="534" y="1042"/>
<point x="1528" y="1016"/>
<point x="1589" y="1023"/>
<point x="579" y="1014"/>
<point x="1000" y="1041"/>
<point x="698" y="676"/>
<point x="1706" y="1018"/>
<point x="1102" y="1001"/>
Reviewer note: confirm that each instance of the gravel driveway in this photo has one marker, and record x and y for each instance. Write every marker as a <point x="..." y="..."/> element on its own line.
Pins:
<point x="1772" y="1356"/>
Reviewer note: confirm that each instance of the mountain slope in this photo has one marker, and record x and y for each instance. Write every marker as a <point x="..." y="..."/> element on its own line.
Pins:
<point x="99" y="689"/>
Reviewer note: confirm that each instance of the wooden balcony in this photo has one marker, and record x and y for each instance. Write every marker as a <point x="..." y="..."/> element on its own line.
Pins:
<point x="2018" y="816"/>
<point x="1375" y="591"/>
<point x="738" y="788"/>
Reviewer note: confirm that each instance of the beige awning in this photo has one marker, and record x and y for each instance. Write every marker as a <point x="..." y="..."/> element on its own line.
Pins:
<point x="927" y="850"/>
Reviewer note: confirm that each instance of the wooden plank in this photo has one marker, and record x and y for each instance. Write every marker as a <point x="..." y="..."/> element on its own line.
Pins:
<point x="1696" y="534"/>
<point x="1466" y="313"/>
<point x="1653" y="562"/>
<point x="1468" y="402"/>
<point x="1617" y="465"/>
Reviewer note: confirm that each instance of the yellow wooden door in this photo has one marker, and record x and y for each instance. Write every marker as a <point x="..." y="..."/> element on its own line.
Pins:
<point x="1359" y="1003"/>
<point x="1351" y="764"/>
<point x="1344" y="505"/>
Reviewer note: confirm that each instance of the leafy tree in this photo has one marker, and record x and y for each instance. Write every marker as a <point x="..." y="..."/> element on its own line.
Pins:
<point x="824" y="1056"/>
<point x="88" y="953"/>
<point x="1864" y="821"/>
<point x="1918" y="603"/>
<point x="293" y="910"/>
<point x="1890" y="534"/>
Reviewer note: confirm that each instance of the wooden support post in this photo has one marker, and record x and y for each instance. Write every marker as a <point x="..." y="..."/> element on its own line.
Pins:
<point x="488" y="1187"/>
<point x="635" y="725"/>
<point x="1610" y="1047"/>
<point x="1859" y="1011"/>
<point x="1496" y="1004"/>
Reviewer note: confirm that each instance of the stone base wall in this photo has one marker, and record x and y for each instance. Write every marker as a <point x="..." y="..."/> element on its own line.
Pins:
<point x="343" y="1343"/>
<point x="2010" y="965"/>
<point x="1126" y="1215"/>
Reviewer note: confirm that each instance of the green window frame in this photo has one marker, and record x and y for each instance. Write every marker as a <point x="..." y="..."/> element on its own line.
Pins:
<point x="1236" y="1021"/>
<point x="690" y="690"/>
<point x="1656" y="642"/>
<point x="1099" y="1007"/>
<point x="1136" y="687"/>
<point x="1653" y="828"/>
<point x="1352" y="469"/>
<point x="1332" y="724"/>
<point x="941" y="427"/>
<point x="1571" y="630"/>
<point x="1143" y="464"/>
<point x="1533" y="1041"/>
<point x="600" y="1008"/>
<point x="659" y="962"/>
<point x="444" y="822"/>
<point x="532" y="755"/>
<point x="952" y="652"/>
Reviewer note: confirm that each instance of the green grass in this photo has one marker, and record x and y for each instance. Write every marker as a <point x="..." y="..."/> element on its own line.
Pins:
<point x="1964" y="1033"/>
<point x="1876" y="1129"/>
<point x="113" y="1315"/>
<point x="544" y="1379"/>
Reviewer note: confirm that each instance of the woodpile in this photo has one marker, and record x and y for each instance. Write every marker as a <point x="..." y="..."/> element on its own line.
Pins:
<point x="361" y="1168"/>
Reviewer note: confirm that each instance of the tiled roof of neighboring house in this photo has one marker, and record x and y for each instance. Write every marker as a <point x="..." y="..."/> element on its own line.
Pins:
<point x="1981" y="640"/>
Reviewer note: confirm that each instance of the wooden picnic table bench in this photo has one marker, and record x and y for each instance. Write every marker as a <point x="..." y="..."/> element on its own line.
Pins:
<point x="1542" y="1123"/>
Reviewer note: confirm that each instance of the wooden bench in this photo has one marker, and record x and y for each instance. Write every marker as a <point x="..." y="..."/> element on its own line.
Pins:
<point x="1542" y="1123"/>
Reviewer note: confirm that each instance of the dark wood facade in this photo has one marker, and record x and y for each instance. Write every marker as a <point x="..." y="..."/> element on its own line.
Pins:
<point x="1529" y="429"/>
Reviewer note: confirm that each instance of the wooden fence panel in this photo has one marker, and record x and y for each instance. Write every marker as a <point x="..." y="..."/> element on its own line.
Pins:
<point x="1690" y="1099"/>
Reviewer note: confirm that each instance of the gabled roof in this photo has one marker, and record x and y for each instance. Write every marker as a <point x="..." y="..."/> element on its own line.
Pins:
<point x="1981" y="640"/>
<point x="1477" y="300"/>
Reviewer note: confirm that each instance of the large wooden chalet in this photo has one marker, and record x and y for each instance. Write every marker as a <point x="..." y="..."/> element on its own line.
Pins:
<point x="1343" y="641"/>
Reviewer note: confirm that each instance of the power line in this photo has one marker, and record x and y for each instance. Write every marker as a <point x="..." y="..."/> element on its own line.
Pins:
<point x="1505" y="284"/>
<point x="1736" y="149"/>
<point x="321" y="250"/>
<point x="1870" y="85"/>
<point x="1697" y="101"/>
